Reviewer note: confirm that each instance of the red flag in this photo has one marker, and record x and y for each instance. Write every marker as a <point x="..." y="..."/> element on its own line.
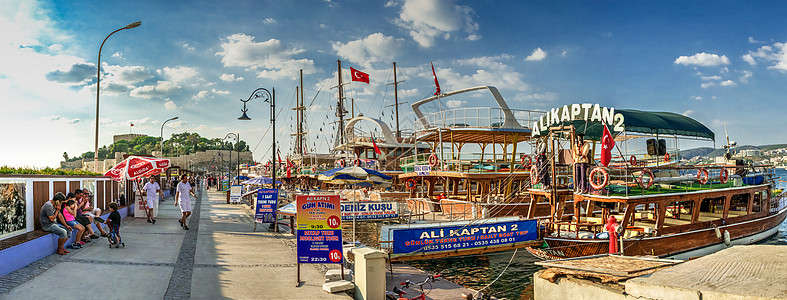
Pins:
<point x="289" y="172"/>
<point x="607" y="143"/>
<point x="279" y="155"/>
<point x="132" y="124"/>
<point x="289" y="163"/>
<point x="376" y="149"/>
<point x="436" y="84"/>
<point x="359" y="76"/>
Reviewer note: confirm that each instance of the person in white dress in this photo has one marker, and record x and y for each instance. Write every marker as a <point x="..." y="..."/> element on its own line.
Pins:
<point x="152" y="191"/>
<point x="182" y="199"/>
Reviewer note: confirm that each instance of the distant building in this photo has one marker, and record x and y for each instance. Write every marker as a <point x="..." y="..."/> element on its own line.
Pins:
<point x="750" y="152"/>
<point x="720" y="160"/>
<point x="126" y="137"/>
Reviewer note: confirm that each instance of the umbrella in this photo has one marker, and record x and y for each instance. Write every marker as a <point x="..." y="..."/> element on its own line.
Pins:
<point x="353" y="175"/>
<point x="242" y="177"/>
<point x="135" y="167"/>
<point x="260" y="181"/>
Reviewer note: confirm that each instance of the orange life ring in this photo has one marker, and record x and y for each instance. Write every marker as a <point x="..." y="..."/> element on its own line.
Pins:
<point x="604" y="176"/>
<point x="529" y="161"/>
<point x="433" y="160"/>
<point x="342" y="163"/>
<point x="633" y="160"/>
<point x="666" y="157"/>
<point x="533" y="174"/>
<point x="702" y="176"/>
<point x="410" y="184"/>
<point x="314" y="169"/>
<point x="357" y="162"/>
<point x="723" y="175"/>
<point x="641" y="180"/>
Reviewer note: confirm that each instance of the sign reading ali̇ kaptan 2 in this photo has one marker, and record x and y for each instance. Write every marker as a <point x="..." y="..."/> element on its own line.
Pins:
<point x="579" y="112"/>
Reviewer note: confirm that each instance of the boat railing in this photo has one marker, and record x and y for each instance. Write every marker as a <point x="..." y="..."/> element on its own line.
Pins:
<point x="468" y="162"/>
<point x="475" y="117"/>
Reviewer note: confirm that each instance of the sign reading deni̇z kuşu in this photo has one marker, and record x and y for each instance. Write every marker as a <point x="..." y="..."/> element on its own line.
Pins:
<point x="470" y="235"/>
<point x="367" y="210"/>
<point x="319" y="229"/>
<point x="267" y="202"/>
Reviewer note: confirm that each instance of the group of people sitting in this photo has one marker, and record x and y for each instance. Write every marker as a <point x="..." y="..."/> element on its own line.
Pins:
<point x="64" y="213"/>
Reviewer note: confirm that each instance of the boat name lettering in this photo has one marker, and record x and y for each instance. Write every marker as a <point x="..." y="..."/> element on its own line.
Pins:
<point x="367" y="207"/>
<point x="579" y="112"/>
<point x="465" y="231"/>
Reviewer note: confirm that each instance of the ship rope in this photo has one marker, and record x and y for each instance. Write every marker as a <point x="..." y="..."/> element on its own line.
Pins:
<point x="500" y="275"/>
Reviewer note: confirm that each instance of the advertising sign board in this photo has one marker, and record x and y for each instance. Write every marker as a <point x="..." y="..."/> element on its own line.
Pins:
<point x="368" y="210"/>
<point x="319" y="229"/>
<point x="235" y="193"/>
<point x="470" y="235"/>
<point x="265" y="208"/>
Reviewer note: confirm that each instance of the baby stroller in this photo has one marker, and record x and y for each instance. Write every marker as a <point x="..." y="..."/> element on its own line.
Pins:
<point x="114" y="231"/>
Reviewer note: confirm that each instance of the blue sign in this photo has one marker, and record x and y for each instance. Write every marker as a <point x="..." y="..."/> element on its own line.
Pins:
<point x="267" y="202"/>
<point x="431" y="239"/>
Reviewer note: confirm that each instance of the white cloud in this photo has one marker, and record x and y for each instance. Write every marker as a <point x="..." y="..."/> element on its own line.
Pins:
<point x="428" y="20"/>
<point x="269" y="21"/>
<point x="728" y="83"/>
<point x="230" y="77"/>
<point x="178" y="74"/>
<point x="706" y="85"/>
<point x="323" y="26"/>
<point x="745" y="77"/>
<point x="391" y="3"/>
<point x="714" y="77"/>
<point x="200" y="95"/>
<point x="65" y="120"/>
<point x="754" y="41"/>
<point x="688" y="113"/>
<point x="703" y="59"/>
<point x="160" y="89"/>
<point x="220" y="92"/>
<point x="78" y="73"/>
<point x="170" y="105"/>
<point x="124" y="75"/>
<point x="455" y="103"/>
<point x="117" y="55"/>
<point x="536" y="96"/>
<point x="537" y="55"/>
<point x="188" y="47"/>
<point x="776" y="55"/>
<point x="270" y="59"/>
<point x="373" y="48"/>
<point x="490" y="70"/>
<point x="696" y="97"/>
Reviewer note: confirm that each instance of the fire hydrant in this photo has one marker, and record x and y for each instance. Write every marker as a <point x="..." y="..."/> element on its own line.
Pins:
<point x="612" y="228"/>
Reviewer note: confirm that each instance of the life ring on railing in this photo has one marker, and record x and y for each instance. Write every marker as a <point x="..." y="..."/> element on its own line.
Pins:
<point x="357" y="162"/>
<point x="666" y="157"/>
<point x="633" y="160"/>
<point x="433" y="160"/>
<point x="529" y="161"/>
<point x="641" y="179"/>
<point x="723" y="175"/>
<point x="533" y="174"/>
<point x="314" y="170"/>
<point x="410" y="184"/>
<point x="342" y="163"/>
<point x="604" y="176"/>
<point x="702" y="176"/>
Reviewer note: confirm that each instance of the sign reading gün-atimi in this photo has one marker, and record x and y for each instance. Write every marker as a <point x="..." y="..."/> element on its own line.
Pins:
<point x="319" y="229"/>
<point x="267" y="202"/>
<point x="367" y="210"/>
<point x="431" y="239"/>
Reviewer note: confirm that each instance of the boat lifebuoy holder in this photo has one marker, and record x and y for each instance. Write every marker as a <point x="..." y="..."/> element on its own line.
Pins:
<point x="633" y="160"/>
<point x="342" y="163"/>
<point x="641" y="180"/>
<point x="410" y="184"/>
<point x="723" y="175"/>
<point x="533" y="174"/>
<point x="598" y="182"/>
<point x="527" y="158"/>
<point x="357" y="162"/>
<point x="433" y="160"/>
<point x="702" y="176"/>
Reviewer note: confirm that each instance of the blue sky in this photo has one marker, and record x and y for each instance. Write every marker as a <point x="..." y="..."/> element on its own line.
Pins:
<point x="715" y="61"/>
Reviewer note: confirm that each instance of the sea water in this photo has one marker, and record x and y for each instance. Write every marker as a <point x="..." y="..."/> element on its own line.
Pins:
<point x="476" y="272"/>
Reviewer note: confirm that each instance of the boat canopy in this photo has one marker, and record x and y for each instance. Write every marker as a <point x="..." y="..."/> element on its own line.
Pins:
<point x="647" y="122"/>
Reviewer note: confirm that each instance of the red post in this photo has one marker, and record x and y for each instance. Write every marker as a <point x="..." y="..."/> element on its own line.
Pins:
<point x="612" y="226"/>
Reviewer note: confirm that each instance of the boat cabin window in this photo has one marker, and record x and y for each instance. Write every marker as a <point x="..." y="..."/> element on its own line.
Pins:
<point x="679" y="213"/>
<point x="760" y="200"/>
<point x="646" y="213"/>
<point x="711" y="209"/>
<point x="656" y="148"/>
<point x="739" y="205"/>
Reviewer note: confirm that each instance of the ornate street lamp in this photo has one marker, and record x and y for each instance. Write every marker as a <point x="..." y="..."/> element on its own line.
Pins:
<point x="162" y="135"/>
<point x="269" y="97"/>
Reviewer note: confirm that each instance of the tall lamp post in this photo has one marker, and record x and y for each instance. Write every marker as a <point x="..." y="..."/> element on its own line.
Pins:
<point x="237" y="141"/>
<point x="98" y="85"/>
<point x="162" y="135"/>
<point x="269" y="97"/>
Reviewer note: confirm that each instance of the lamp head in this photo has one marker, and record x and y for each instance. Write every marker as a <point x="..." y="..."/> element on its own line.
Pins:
<point x="135" y="24"/>
<point x="244" y="117"/>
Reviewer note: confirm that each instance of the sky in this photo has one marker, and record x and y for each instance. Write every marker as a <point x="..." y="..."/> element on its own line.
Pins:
<point x="715" y="61"/>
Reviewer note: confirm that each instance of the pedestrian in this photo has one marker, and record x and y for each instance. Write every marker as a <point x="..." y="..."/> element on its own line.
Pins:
<point x="47" y="218"/>
<point x="152" y="190"/>
<point x="182" y="199"/>
<point x="113" y="221"/>
<point x="581" y="164"/>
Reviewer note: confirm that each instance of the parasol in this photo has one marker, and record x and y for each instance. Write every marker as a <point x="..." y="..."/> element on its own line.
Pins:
<point x="135" y="167"/>
<point x="260" y="181"/>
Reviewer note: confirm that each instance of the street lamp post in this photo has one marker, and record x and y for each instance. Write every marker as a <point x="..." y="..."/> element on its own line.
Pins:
<point x="237" y="141"/>
<point x="162" y="135"/>
<point x="98" y="85"/>
<point x="269" y="97"/>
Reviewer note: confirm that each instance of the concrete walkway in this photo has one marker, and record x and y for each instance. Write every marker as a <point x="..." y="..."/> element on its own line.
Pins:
<point x="220" y="257"/>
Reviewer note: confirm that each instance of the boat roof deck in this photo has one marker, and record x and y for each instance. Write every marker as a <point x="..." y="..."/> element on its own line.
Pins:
<point x="459" y="133"/>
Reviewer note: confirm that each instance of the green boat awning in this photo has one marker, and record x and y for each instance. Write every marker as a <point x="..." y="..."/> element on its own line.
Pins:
<point x="647" y="122"/>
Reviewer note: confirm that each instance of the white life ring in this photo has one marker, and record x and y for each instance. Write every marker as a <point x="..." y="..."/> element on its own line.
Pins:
<point x="604" y="178"/>
<point x="433" y="160"/>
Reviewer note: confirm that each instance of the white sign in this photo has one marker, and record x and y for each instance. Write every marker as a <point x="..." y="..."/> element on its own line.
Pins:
<point x="585" y="112"/>
<point x="367" y="210"/>
<point x="235" y="193"/>
<point x="422" y="170"/>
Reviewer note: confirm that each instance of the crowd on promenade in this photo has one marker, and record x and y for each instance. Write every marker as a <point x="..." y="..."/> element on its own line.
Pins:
<point x="66" y="213"/>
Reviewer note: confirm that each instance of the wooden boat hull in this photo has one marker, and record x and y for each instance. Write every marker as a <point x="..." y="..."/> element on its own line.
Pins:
<point x="682" y="245"/>
<point x="459" y="208"/>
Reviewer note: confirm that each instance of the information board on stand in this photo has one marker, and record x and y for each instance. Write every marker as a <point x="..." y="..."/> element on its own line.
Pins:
<point x="235" y="193"/>
<point x="265" y="207"/>
<point x="319" y="229"/>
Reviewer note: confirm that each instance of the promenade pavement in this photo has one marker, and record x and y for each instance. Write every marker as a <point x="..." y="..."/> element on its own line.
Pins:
<point x="220" y="257"/>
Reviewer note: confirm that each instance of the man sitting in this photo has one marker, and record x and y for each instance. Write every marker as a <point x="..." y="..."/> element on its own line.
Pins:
<point x="47" y="218"/>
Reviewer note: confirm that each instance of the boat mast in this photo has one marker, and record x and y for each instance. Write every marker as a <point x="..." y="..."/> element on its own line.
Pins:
<point x="301" y="108"/>
<point x="396" y="102"/>
<point x="340" y="108"/>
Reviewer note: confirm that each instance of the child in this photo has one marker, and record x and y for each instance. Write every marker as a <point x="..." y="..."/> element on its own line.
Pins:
<point x="113" y="222"/>
<point x="69" y="210"/>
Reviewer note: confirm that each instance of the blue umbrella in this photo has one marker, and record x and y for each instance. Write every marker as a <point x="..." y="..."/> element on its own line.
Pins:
<point x="353" y="175"/>
<point x="243" y="177"/>
<point x="260" y="181"/>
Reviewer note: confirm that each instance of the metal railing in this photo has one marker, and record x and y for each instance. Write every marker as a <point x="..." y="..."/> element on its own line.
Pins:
<point x="476" y="117"/>
<point x="468" y="162"/>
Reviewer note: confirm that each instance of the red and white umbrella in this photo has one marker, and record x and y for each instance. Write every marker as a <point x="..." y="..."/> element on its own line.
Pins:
<point x="135" y="167"/>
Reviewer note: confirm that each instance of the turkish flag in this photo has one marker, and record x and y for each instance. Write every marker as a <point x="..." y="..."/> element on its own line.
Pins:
<point x="359" y="76"/>
<point x="376" y="149"/>
<point x="607" y="143"/>
<point x="436" y="84"/>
